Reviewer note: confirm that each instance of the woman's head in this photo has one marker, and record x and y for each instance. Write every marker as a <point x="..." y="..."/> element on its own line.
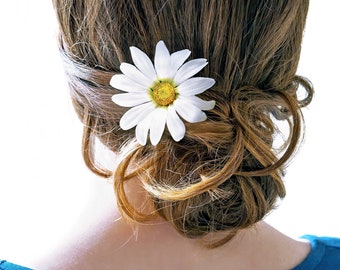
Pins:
<point x="224" y="174"/>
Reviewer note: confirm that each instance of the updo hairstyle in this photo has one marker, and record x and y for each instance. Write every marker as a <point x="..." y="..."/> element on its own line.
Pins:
<point x="226" y="174"/>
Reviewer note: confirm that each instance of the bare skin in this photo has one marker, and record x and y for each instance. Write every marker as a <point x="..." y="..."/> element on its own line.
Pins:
<point x="106" y="241"/>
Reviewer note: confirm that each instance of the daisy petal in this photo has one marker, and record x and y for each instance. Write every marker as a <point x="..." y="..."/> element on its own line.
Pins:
<point x="177" y="60"/>
<point x="199" y="103"/>
<point x="189" y="69"/>
<point x="162" y="60"/>
<point x="134" y="74"/>
<point x="136" y="114"/>
<point x="157" y="125"/>
<point x="143" y="63"/>
<point x="124" y="83"/>
<point x="175" y="125"/>
<point x="130" y="99"/>
<point x="189" y="112"/>
<point x="195" y="86"/>
<point x="142" y="129"/>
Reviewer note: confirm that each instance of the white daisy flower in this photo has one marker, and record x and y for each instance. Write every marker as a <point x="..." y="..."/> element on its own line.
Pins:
<point x="160" y="93"/>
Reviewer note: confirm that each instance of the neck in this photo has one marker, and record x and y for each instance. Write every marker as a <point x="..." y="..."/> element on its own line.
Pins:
<point x="103" y="237"/>
<point x="266" y="248"/>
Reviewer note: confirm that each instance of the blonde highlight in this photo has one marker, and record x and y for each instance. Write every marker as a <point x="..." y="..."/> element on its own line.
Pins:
<point x="224" y="175"/>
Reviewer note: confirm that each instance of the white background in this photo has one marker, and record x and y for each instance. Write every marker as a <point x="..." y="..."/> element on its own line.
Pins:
<point x="43" y="182"/>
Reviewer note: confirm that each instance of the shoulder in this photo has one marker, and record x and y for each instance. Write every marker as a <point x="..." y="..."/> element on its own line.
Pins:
<point x="325" y="253"/>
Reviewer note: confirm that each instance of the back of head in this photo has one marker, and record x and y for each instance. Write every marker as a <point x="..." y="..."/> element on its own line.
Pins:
<point x="225" y="174"/>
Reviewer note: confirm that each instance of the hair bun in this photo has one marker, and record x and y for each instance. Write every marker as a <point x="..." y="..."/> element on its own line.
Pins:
<point x="224" y="174"/>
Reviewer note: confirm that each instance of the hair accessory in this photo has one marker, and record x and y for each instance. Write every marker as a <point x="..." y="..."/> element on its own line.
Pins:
<point x="159" y="93"/>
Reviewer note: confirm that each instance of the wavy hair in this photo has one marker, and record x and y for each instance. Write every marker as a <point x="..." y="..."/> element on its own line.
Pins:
<point x="225" y="174"/>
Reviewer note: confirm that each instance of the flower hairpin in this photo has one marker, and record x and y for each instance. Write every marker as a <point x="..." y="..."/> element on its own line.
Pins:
<point x="160" y="93"/>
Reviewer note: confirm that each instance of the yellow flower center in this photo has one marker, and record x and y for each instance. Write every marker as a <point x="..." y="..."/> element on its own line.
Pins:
<point x="163" y="93"/>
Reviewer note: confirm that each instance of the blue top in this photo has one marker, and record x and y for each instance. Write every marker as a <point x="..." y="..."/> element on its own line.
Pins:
<point x="325" y="254"/>
<point x="10" y="266"/>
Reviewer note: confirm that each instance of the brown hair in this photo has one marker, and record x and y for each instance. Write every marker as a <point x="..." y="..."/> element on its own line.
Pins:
<point x="225" y="174"/>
